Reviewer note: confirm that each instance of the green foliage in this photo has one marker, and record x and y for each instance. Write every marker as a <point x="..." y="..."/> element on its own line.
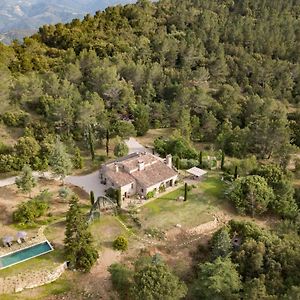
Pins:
<point x="121" y="149"/>
<point x="79" y="247"/>
<point x="92" y="197"/>
<point x="217" y="280"/>
<point x="27" y="150"/>
<point x="77" y="159"/>
<point x="28" y="212"/>
<point x="59" y="160"/>
<point x="111" y="193"/>
<point x="188" y="163"/>
<point x="162" y="188"/>
<point x="15" y="119"/>
<point x="177" y="146"/>
<point x="64" y="192"/>
<point x="221" y="244"/>
<point x="155" y="281"/>
<point x="26" y="182"/>
<point x="284" y="203"/>
<point x="120" y="243"/>
<point x="121" y="278"/>
<point x="150" y="195"/>
<point x="141" y="119"/>
<point x="250" y="195"/>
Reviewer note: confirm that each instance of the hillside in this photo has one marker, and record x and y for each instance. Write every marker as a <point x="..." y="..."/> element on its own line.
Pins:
<point x="19" y="18"/>
<point x="214" y="83"/>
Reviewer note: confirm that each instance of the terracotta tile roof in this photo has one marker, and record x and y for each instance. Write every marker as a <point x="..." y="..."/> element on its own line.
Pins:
<point x="154" y="174"/>
<point x="155" y="170"/>
<point x="119" y="178"/>
<point x="132" y="164"/>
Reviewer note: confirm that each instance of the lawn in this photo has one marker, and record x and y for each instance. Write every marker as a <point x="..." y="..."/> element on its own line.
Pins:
<point x="106" y="229"/>
<point x="148" y="139"/>
<point x="202" y="202"/>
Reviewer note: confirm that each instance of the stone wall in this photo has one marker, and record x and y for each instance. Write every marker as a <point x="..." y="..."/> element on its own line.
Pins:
<point x="29" y="280"/>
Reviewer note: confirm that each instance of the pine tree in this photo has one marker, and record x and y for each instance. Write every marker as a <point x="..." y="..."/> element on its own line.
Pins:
<point x="77" y="159"/>
<point x="79" y="247"/>
<point x="26" y="182"/>
<point x="59" y="160"/>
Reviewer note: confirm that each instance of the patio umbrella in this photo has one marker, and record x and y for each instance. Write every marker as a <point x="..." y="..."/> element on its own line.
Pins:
<point x="7" y="239"/>
<point x="21" y="234"/>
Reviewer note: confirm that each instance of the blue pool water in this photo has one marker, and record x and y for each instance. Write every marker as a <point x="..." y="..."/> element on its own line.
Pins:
<point x="24" y="254"/>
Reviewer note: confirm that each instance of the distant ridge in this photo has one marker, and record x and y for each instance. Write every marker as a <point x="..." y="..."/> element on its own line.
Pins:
<point x="19" y="18"/>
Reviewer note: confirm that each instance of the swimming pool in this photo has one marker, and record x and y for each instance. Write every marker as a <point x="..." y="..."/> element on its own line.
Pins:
<point x="24" y="254"/>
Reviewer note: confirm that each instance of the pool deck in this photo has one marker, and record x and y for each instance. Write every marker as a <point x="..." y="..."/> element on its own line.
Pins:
<point x="30" y="241"/>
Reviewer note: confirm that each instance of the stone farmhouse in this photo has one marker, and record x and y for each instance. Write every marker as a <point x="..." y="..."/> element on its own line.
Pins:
<point x="139" y="174"/>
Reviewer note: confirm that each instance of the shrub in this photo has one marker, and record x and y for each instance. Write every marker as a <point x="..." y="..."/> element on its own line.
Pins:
<point x="150" y="195"/>
<point x="162" y="188"/>
<point x="155" y="233"/>
<point x="15" y="119"/>
<point x="121" y="149"/>
<point x="28" y="212"/>
<point x="121" y="279"/>
<point x="8" y="163"/>
<point x="188" y="163"/>
<point x="120" y="243"/>
<point x="64" y="192"/>
<point x="5" y="149"/>
<point x="111" y="193"/>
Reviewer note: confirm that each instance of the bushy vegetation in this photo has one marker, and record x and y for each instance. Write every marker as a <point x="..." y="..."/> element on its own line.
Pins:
<point x="120" y="243"/>
<point x="261" y="265"/>
<point x="121" y="149"/>
<point x="151" y="279"/>
<point x="218" y="73"/>
<point x="28" y="212"/>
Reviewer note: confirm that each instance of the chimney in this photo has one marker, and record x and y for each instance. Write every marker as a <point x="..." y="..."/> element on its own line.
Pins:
<point x="141" y="165"/>
<point x="169" y="160"/>
<point x="116" y="168"/>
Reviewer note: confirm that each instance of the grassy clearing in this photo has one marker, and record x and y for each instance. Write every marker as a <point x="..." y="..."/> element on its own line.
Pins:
<point x="202" y="201"/>
<point x="106" y="229"/>
<point x="148" y="139"/>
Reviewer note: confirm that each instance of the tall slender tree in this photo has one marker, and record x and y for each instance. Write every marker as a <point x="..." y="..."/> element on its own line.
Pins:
<point x="79" y="245"/>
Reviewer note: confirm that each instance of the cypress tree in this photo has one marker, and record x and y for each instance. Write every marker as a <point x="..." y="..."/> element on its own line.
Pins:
<point x="92" y="197"/>
<point x="236" y="172"/>
<point x="91" y="144"/>
<point x="200" y="159"/>
<point x="107" y="142"/>
<point x="222" y="160"/>
<point x="185" y="191"/>
<point x="79" y="247"/>
<point x="119" y="197"/>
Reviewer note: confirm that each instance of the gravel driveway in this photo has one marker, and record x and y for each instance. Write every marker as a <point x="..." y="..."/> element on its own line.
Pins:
<point x="135" y="146"/>
<point x="90" y="182"/>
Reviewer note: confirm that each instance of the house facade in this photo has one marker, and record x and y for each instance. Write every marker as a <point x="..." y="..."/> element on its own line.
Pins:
<point x="139" y="174"/>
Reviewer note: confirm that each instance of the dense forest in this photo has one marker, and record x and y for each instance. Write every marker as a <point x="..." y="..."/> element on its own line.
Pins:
<point x="223" y="72"/>
<point x="226" y="72"/>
